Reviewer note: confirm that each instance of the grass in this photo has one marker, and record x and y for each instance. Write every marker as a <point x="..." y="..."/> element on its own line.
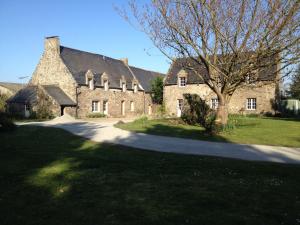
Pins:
<point x="249" y="130"/>
<point x="49" y="176"/>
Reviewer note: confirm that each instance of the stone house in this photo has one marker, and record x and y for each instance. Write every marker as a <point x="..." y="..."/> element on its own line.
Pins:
<point x="83" y="83"/>
<point x="251" y="98"/>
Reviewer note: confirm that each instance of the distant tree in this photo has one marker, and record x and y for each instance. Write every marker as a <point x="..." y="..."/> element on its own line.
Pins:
<point x="157" y="87"/>
<point x="233" y="40"/>
<point x="3" y="99"/>
<point x="295" y="85"/>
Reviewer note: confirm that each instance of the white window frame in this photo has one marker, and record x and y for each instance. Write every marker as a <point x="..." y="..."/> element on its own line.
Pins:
<point x="105" y="107"/>
<point x="132" y="106"/>
<point x="182" y="81"/>
<point x="105" y="85"/>
<point x="251" y="104"/>
<point x="214" y="103"/>
<point x="95" y="106"/>
<point x="27" y="107"/>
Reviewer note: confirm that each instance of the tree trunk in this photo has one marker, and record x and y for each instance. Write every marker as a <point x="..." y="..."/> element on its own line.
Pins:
<point x="222" y="111"/>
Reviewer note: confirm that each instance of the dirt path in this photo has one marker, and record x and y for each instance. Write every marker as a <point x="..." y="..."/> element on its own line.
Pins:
<point x="104" y="131"/>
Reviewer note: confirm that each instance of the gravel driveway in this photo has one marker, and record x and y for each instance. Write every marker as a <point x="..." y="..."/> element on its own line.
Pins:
<point x="104" y="131"/>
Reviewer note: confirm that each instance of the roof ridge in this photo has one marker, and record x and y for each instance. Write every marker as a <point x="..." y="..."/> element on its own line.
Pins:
<point x="119" y="60"/>
<point x="92" y="53"/>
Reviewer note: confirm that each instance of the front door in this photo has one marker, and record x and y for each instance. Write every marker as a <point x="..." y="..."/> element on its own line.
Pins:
<point x="62" y="109"/>
<point x="123" y="108"/>
<point x="179" y="107"/>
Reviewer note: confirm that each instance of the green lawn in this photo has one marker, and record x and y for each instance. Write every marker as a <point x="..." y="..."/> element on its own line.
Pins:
<point x="249" y="130"/>
<point x="49" y="176"/>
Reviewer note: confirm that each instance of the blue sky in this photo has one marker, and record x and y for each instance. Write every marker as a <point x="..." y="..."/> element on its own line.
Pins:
<point x="89" y="25"/>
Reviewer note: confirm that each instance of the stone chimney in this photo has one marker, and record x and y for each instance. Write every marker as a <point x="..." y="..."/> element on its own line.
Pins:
<point x="52" y="45"/>
<point x="125" y="61"/>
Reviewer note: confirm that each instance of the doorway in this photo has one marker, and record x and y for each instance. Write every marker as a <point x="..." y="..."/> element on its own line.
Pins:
<point x="179" y="107"/>
<point x="62" y="110"/>
<point x="123" y="108"/>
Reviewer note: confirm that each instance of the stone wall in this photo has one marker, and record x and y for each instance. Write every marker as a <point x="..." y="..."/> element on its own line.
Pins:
<point x="114" y="97"/>
<point x="52" y="71"/>
<point x="265" y="95"/>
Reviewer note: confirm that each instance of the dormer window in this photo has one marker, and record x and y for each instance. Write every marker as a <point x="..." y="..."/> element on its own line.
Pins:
<point x="105" y="85"/>
<point x="104" y="81"/>
<point x="135" y="88"/>
<point x="89" y="79"/>
<point x="182" y="81"/>
<point x="91" y="83"/>
<point x="123" y="86"/>
<point x="182" y="78"/>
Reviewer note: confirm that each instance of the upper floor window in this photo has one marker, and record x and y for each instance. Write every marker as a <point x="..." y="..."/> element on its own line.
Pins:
<point x="123" y="86"/>
<point x="105" y="84"/>
<point x="251" y="103"/>
<point x="135" y="88"/>
<point x="182" y="81"/>
<point x="214" y="103"/>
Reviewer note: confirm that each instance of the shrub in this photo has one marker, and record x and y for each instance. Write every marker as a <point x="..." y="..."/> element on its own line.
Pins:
<point x="157" y="89"/>
<point x="95" y="115"/>
<point x="6" y="123"/>
<point x="3" y="99"/>
<point x="196" y="111"/>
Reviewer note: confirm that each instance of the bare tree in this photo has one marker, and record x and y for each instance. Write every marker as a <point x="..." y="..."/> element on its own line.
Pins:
<point x="234" y="40"/>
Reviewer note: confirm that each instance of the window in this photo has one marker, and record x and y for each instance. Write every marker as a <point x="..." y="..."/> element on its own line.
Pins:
<point x="132" y="106"/>
<point x="105" y="107"/>
<point x="182" y="81"/>
<point x="27" y="107"/>
<point x="105" y="84"/>
<point x="251" y="103"/>
<point x="123" y="86"/>
<point x="95" y="106"/>
<point x="91" y="84"/>
<point x="135" y="88"/>
<point x="214" y="103"/>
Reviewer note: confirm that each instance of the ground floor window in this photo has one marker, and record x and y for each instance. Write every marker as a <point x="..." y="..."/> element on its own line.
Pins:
<point x="132" y="106"/>
<point x="251" y="103"/>
<point x="27" y="107"/>
<point x="105" y="107"/>
<point x="95" y="106"/>
<point x="214" y="103"/>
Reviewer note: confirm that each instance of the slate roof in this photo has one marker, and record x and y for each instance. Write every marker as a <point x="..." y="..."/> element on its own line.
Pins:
<point x="265" y="74"/>
<point x="14" y="87"/>
<point x="27" y="95"/>
<point x="79" y="62"/>
<point x="59" y="95"/>
<point x="145" y="77"/>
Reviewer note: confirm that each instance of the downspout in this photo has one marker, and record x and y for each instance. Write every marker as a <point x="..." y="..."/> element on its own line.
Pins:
<point x="76" y="111"/>
<point x="144" y="103"/>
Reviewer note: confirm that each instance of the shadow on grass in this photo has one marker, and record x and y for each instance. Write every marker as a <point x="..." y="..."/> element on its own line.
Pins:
<point x="49" y="176"/>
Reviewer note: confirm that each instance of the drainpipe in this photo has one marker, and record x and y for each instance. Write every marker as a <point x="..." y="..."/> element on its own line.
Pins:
<point x="144" y="102"/>
<point x="76" y="111"/>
